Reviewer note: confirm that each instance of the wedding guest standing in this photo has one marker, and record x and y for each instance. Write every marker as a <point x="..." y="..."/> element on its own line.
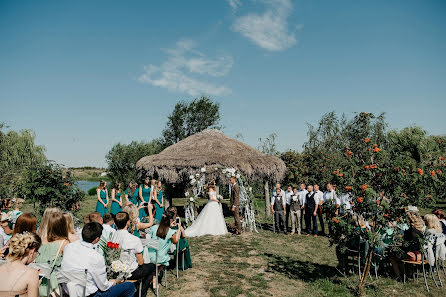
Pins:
<point x="131" y="194"/>
<point x="319" y="197"/>
<point x="102" y="194"/>
<point x="302" y="194"/>
<point x="278" y="208"/>
<point x="288" y="194"/>
<point x="158" y="201"/>
<point x="311" y="212"/>
<point x="144" y="196"/>
<point x="116" y="199"/>
<point x="295" y="212"/>
<point x="17" y="278"/>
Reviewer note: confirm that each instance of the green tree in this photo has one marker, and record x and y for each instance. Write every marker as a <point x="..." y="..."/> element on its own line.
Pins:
<point x="50" y="185"/>
<point x="188" y="119"/>
<point x="122" y="158"/>
<point x="18" y="153"/>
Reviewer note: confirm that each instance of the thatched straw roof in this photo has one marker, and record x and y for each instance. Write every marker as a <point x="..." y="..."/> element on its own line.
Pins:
<point x="210" y="149"/>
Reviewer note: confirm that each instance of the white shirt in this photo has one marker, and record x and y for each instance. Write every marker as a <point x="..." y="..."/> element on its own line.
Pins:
<point x="131" y="245"/>
<point x="318" y="197"/>
<point x="80" y="255"/>
<point x="288" y="196"/>
<point x="345" y="201"/>
<point x="302" y="196"/>
<point x="4" y="237"/>
<point x="107" y="232"/>
<point x="331" y="195"/>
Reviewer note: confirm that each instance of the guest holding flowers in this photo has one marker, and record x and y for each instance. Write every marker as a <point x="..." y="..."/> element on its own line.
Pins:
<point x="102" y="194"/>
<point x="116" y="199"/>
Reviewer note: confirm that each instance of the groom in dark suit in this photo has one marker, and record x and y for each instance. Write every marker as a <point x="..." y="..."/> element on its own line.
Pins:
<point x="235" y="204"/>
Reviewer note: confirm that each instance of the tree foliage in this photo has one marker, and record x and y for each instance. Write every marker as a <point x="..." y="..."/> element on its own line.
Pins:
<point x="18" y="153"/>
<point x="122" y="158"/>
<point x="190" y="118"/>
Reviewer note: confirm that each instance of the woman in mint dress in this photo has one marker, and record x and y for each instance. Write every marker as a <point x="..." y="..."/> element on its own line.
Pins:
<point x="144" y="196"/>
<point x="158" y="201"/>
<point x="131" y="194"/>
<point x="116" y="199"/>
<point x="102" y="194"/>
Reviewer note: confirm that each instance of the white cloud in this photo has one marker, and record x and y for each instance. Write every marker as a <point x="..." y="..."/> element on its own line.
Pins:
<point x="234" y="4"/>
<point x="270" y="29"/>
<point x="185" y="62"/>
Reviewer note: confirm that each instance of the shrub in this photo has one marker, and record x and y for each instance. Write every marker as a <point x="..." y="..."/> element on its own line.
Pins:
<point x="92" y="191"/>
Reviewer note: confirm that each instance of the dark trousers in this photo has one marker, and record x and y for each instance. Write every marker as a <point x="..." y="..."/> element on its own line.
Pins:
<point x="120" y="290"/>
<point x="287" y="217"/>
<point x="238" y="225"/>
<point x="309" y="219"/>
<point x="279" y="220"/>
<point x="321" y="219"/>
<point x="144" y="273"/>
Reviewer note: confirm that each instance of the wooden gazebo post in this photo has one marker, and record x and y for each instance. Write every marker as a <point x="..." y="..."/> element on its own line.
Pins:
<point x="267" y="201"/>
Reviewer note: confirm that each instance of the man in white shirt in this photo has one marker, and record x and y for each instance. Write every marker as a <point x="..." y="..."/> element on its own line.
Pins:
<point x="295" y="212"/>
<point x="330" y="198"/>
<point x="108" y="231"/>
<point x="345" y="203"/>
<point x="278" y="208"/>
<point x="131" y="253"/>
<point x="288" y="194"/>
<point x="302" y="196"/>
<point x="319" y="198"/>
<point x="80" y="255"/>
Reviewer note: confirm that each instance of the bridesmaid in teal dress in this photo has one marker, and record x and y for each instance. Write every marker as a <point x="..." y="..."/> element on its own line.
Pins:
<point x="131" y="194"/>
<point x="116" y="199"/>
<point x="144" y="195"/>
<point x="158" y="201"/>
<point x="102" y="194"/>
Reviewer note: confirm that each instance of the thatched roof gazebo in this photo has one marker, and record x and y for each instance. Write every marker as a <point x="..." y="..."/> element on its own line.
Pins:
<point x="210" y="148"/>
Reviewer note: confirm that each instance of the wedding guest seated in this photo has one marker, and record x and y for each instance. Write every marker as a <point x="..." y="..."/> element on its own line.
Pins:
<point x="131" y="253"/>
<point x="72" y="236"/>
<point x="16" y="212"/>
<point x="52" y="249"/>
<point x="81" y="255"/>
<point x="17" y="278"/>
<point x="165" y="236"/>
<point x="26" y="222"/>
<point x="184" y="244"/>
<point x="135" y="224"/>
<point x="440" y="215"/>
<point x="5" y="229"/>
<point x="433" y="225"/>
<point x="42" y="231"/>
<point x="108" y="222"/>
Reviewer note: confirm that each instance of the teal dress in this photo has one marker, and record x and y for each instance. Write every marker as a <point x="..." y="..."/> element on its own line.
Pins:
<point x="115" y="208"/>
<point x="163" y="246"/>
<point x="134" y="197"/>
<point x="99" y="206"/>
<point x="159" y="209"/>
<point x="145" y="196"/>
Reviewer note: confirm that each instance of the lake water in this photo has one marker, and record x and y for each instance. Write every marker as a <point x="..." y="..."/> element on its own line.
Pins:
<point x="86" y="185"/>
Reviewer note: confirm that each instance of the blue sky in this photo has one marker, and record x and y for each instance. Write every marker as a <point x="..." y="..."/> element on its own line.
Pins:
<point x="85" y="75"/>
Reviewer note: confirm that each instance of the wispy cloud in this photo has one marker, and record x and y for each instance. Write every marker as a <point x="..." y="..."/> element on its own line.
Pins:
<point x="270" y="29"/>
<point x="234" y="4"/>
<point x="184" y="62"/>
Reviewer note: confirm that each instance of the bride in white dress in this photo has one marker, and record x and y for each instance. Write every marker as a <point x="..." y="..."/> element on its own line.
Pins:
<point x="210" y="221"/>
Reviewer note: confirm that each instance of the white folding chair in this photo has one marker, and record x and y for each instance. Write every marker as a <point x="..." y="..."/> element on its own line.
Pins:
<point x="125" y="256"/>
<point x="45" y="269"/>
<point x="153" y="244"/>
<point x="71" y="280"/>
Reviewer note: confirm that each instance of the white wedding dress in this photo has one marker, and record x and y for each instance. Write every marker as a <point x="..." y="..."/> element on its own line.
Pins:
<point x="210" y="221"/>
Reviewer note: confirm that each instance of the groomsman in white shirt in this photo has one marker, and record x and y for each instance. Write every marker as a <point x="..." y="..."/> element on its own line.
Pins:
<point x="319" y="198"/>
<point x="278" y="208"/>
<point x="302" y="194"/>
<point x="288" y="195"/>
<point x="331" y="198"/>
<point x="295" y="212"/>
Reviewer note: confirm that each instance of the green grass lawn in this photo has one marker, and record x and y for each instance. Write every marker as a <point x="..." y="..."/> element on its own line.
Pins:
<point x="268" y="264"/>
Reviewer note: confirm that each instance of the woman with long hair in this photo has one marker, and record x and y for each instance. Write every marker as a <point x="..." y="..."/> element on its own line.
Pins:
<point x="52" y="248"/>
<point x="116" y="199"/>
<point x="440" y="215"/>
<point x="43" y="227"/>
<point x="135" y="223"/>
<point x="165" y="236"/>
<point x="72" y="237"/>
<point x="131" y="195"/>
<point x="433" y="225"/>
<point x="102" y="194"/>
<point x="144" y="196"/>
<point x="18" y="279"/>
<point x="26" y="222"/>
<point x="157" y="199"/>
